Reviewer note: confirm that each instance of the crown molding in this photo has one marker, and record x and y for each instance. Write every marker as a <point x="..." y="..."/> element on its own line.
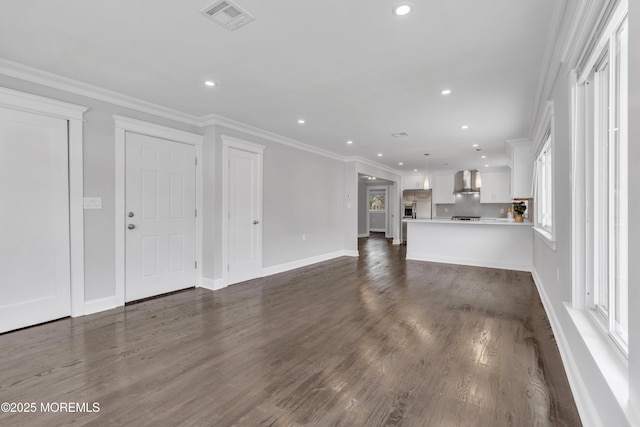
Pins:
<point x="216" y="120"/>
<point x="550" y="66"/>
<point x="45" y="78"/>
<point x="39" y="104"/>
<point x="152" y="129"/>
<point x="371" y="163"/>
<point x="518" y="142"/>
<point x="581" y="30"/>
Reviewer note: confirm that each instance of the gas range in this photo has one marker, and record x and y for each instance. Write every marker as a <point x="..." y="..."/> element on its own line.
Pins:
<point x="465" y="218"/>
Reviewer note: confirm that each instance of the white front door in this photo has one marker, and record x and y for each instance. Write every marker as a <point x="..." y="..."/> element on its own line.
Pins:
<point x="35" y="284"/>
<point x="160" y="216"/>
<point x="244" y="216"/>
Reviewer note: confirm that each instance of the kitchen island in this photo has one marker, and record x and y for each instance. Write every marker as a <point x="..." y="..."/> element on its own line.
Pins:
<point x="495" y="243"/>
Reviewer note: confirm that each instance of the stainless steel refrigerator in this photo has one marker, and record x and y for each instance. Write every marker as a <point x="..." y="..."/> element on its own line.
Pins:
<point x="416" y="204"/>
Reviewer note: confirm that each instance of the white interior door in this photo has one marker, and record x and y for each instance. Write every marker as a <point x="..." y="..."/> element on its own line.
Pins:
<point x="245" y="254"/>
<point x="35" y="284"/>
<point x="160" y="216"/>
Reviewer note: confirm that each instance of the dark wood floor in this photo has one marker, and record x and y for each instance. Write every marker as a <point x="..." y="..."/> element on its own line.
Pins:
<point x="370" y="341"/>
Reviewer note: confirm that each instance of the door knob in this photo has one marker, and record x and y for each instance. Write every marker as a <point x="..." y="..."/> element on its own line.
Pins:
<point x="256" y="222"/>
<point x="130" y="215"/>
<point x="131" y="226"/>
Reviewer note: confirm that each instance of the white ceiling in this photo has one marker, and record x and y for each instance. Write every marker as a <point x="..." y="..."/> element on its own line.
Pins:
<point x="351" y="69"/>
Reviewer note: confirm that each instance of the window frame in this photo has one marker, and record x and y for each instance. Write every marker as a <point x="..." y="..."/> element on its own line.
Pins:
<point x="383" y="198"/>
<point x="544" y="179"/>
<point x="604" y="102"/>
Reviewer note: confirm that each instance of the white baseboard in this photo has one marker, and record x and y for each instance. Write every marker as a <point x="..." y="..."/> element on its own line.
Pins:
<point x="100" y="304"/>
<point x="281" y="268"/>
<point x="350" y="253"/>
<point x="473" y="262"/>
<point x="584" y="403"/>
<point x="363" y="235"/>
<point x="397" y="241"/>
<point x="378" y="230"/>
<point x="212" y="284"/>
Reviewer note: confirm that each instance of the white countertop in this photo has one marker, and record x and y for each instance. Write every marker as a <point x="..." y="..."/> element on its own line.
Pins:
<point x="482" y="221"/>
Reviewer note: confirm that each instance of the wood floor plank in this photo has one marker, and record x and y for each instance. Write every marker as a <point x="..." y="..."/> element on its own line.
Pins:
<point x="368" y="341"/>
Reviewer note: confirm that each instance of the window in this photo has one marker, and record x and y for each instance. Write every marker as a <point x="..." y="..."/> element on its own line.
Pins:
<point x="543" y="179"/>
<point x="544" y="210"/>
<point x="376" y="202"/>
<point x="607" y="294"/>
<point x="601" y="141"/>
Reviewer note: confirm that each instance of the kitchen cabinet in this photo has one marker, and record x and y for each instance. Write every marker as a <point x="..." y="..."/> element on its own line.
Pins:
<point x="443" y="189"/>
<point x="496" y="187"/>
<point x="413" y="182"/>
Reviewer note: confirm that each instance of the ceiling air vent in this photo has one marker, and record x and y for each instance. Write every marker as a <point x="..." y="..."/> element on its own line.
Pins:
<point x="228" y="14"/>
<point x="399" y="134"/>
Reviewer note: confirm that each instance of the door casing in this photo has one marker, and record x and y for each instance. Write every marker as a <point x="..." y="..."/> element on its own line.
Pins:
<point x="124" y="125"/>
<point x="231" y="142"/>
<point x="74" y="115"/>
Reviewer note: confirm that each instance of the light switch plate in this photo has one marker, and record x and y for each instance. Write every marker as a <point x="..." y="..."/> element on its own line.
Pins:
<point x="93" y="203"/>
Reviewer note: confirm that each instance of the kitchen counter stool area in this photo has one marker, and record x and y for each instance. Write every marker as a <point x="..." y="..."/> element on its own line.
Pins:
<point x="485" y="243"/>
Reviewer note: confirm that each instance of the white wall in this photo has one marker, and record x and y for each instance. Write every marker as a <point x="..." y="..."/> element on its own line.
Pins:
<point x="302" y="193"/>
<point x="350" y="208"/>
<point x="99" y="179"/>
<point x="363" y="209"/>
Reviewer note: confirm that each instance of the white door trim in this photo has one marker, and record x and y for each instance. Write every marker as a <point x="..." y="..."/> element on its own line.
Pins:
<point x="122" y="126"/>
<point x="239" y="144"/>
<point x="74" y="115"/>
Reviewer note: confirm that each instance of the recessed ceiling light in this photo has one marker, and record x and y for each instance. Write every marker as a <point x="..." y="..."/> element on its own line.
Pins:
<point x="300" y="121"/>
<point x="483" y="157"/>
<point x="486" y="166"/>
<point x="379" y="154"/>
<point x="415" y="170"/>
<point x="402" y="9"/>
<point x="210" y="83"/>
<point x="446" y="92"/>
<point x="400" y="163"/>
<point x="349" y="142"/>
<point x="464" y="127"/>
<point x="475" y="145"/>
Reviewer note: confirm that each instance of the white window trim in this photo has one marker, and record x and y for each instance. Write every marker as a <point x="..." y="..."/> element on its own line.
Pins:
<point x="546" y="124"/>
<point x="610" y="360"/>
<point x="601" y="323"/>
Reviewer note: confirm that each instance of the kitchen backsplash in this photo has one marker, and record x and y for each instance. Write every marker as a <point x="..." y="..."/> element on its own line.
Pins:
<point x="485" y="210"/>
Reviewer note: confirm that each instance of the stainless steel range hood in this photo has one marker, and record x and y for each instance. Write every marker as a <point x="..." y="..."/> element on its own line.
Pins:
<point x="467" y="182"/>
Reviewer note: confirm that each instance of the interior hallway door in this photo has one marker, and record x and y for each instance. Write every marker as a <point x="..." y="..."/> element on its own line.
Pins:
<point x="161" y="216"/>
<point x="35" y="266"/>
<point x="245" y="252"/>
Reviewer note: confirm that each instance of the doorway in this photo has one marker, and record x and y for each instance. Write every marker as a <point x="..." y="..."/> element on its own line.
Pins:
<point x="377" y="204"/>
<point x="161" y="216"/>
<point x="41" y="250"/>
<point x="158" y="200"/>
<point x="242" y="210"/>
